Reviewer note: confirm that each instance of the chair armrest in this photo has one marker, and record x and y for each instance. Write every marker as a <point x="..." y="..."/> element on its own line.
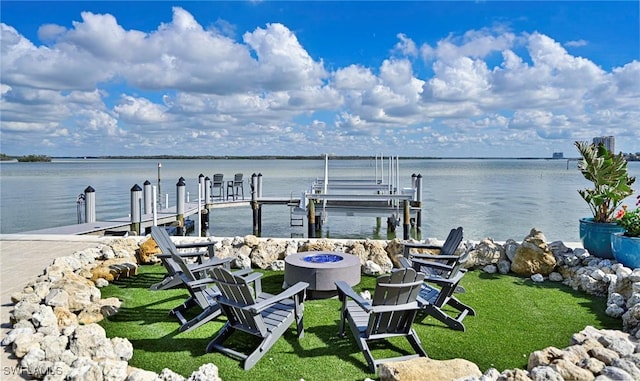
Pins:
<point x="435" y="265"/>
<point x="213" y="262"/>
<point x="345" y="290"/>
<point x="199" y="282"/>
<point x="182" y="255"/>
<point x="436" y="257"/>
<point x="286" y="294"/>
<point x="455" y="279"/>
<point x="194" y="245"/>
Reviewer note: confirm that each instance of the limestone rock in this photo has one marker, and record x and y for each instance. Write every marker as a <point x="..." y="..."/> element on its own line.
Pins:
<point x="394" y="248"/>
<point x="317" y="245"/>
<point x="147" y="252"/>
<point x="425" y="369"/>
<point x="378" y="254"/>
<point x="206" y="372"/>
<point x="571" y="372"/>
<point x="137" y="374"/>
<point x="485" y="253"/>
<point x="251" y="240"/>
<point x="265" y="253"/>
<point x="360" y="251"/>
<point x="533" y="256"/>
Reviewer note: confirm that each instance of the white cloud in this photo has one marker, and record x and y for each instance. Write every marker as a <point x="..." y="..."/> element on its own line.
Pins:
<point x="154" y="91"/>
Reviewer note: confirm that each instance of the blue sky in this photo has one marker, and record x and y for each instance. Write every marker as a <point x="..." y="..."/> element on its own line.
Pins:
<point x="449" y="79"/>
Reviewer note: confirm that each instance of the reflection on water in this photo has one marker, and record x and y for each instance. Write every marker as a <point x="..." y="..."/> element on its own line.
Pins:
<point x="500" y="199"/>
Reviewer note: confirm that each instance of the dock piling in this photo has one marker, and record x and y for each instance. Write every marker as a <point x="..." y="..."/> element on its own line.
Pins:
<point x="312" y="219"/>
<point x="406" y="221"/>
<point x="89" y="205"/>
<point x="147" y="197"/>
<point x="136" y="206"/>
<point x="180" y="197"/>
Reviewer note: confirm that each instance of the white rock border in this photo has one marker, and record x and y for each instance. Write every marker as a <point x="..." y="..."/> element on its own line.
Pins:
<point x="52" y="344"/>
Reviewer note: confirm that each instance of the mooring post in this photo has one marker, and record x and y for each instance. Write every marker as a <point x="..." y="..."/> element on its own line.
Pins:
<point x="406" y="223"/>
<point x="89" y="204"/>
<point x="147" y="197"/>
<point x="259" y="185"/>
<point x="419" y="206"/>
<point x="136" y="206"/>
<point x="201" y="185"/>
<point x="312" y="220"/>
<point x="254" y="204"/>
<point x="180" y="194"/>
<point x="207" y="191"/>
<point x="160" y="189"/>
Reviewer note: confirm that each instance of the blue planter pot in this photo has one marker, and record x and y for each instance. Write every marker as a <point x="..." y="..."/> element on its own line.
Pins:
<point x="626" y="250"/>
<point x="596" y="236"/>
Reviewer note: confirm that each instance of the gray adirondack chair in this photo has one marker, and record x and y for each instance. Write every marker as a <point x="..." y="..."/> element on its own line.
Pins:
<point x="201" y="254"/>
<point x="257" y="313"/>
<point x="390" y="314"/>
<point x="438" y="290"/>
<point x="194" y="278"/>
<point x="447" y="255"/>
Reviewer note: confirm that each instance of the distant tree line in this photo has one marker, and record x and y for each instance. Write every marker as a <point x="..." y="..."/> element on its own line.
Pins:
<point x="26" y="159"/>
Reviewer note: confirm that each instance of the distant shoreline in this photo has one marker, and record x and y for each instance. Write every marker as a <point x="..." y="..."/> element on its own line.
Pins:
<point x="311" y="157"/>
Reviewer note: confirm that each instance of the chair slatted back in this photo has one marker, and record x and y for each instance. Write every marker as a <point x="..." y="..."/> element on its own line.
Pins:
<point x="217" y="179"/>
<point x="163" y="240"/>
<point x="237" y="294"/>
<point x="452" y="242"/>
<point x="400" y="288"/>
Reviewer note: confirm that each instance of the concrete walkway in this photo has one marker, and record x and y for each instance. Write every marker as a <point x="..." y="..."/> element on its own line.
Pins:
<point x="22" y="258"/>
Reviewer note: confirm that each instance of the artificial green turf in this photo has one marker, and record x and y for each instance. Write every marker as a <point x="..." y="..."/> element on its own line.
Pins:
<point x="514" y="318"/>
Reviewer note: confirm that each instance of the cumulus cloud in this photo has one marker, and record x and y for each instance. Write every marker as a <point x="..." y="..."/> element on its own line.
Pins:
<point x="150" y="92"/>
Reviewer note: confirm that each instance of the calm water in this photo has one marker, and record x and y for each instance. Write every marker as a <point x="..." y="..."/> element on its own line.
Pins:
<point x="500" y="199"/>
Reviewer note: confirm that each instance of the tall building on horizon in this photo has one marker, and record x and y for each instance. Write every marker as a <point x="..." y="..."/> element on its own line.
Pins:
<point x="609" y="142"/>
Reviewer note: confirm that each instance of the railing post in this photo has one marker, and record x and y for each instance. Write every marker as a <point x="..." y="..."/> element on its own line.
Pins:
<point x="89" y="204"/>
<point x="259" y="184"/>
<point x="148" y="198"/>
<point x="180" y="196"/>
<point x="136" y="206"/>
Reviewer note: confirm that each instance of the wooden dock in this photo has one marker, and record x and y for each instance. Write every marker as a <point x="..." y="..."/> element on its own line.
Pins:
<point x="348" y="197"/>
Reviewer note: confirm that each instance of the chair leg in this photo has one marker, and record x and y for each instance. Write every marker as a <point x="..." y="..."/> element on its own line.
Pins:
<point x="414" y="340"/>
<point x="368" y="356"/>
<point x="205" y="316"/>
<point x="166" y="283"/>
<point x="220" y="338"/>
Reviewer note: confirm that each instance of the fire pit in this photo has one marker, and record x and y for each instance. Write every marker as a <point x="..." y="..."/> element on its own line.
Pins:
<point x="321" y="269"/>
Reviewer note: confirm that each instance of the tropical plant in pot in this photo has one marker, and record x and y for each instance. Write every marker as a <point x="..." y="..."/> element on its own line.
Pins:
<point x="611" y="185"/>
<point x="625" y="246"/>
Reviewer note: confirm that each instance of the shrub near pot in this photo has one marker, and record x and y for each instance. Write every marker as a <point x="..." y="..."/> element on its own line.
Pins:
<point x="611" y="185"/>
<point x="626" y="246"/>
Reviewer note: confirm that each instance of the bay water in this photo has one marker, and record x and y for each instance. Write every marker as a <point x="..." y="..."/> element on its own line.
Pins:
<point x="496" y="198"/>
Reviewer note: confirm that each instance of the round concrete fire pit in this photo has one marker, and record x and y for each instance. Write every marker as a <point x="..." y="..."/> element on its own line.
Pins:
<point x="321" y="269"/>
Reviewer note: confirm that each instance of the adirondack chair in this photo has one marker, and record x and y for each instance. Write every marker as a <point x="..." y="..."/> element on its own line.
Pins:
<point x="257" y="313"/>
<point x="438" y="289"/>
<point x="195" y="280"/>
<point x="446" y="256"/>
<point x="390" y="314"/>
<point x="202" y="253"/>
